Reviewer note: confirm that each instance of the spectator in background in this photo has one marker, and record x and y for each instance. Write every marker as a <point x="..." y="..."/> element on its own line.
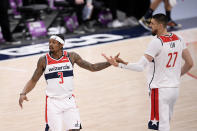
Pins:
<point x="79" y="6"/>
<point x="113" y="6"/>
<point x="133" y="10"/>
<point x="4" y="23"/>
<point x="29" y="2"/>
<point x="169" y="4"/>
<point x="87" y="15"/>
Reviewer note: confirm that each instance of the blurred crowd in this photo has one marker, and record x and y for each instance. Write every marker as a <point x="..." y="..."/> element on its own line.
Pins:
<point x="77" y="16"/>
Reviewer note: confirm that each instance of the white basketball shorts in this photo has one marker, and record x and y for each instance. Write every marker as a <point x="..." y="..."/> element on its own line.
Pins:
<point x="162" y="104"/>
<point x="62" y="114"/>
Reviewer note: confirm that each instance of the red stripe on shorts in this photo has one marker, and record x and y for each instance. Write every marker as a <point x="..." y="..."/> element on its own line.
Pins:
<point x="46" y="118"/>
<point x="155" y="104"/>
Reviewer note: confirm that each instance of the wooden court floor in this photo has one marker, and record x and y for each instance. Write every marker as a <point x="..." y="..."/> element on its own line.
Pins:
<point x="110" y="100"/>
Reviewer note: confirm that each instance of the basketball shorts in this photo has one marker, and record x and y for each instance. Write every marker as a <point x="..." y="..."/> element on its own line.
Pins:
<point x="62" y="114"/>
<point x="162" y="104"/>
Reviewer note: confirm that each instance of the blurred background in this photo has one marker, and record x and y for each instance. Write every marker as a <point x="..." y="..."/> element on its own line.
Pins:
<point x="26" y="22"/>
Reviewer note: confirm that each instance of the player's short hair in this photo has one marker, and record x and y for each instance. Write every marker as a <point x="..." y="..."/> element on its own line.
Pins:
<point x="61" y="36"/>
<point x="161" y="18"/>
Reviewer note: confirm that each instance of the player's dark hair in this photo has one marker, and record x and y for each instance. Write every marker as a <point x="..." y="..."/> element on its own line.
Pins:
<point x="61" y="36"/>
<point x="161" y="18"/>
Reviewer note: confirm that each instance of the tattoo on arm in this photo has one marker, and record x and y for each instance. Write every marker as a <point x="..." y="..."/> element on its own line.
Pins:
<point x="40" y="69"/>
<point x="75" y="58"/>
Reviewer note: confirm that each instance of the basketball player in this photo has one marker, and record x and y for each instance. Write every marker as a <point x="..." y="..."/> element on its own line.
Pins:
<point x="164" y="58"/>
<point x="57" y="66"/>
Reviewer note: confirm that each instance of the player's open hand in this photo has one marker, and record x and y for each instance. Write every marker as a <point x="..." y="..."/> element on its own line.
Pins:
<point x="119" y="60"/>
<point x="110" y="59"/>
<point x="21" y="99"/>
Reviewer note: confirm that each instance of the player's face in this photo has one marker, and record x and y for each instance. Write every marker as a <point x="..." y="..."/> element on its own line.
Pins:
<point x="54" y="46"/>
<point x="154" y="26"/>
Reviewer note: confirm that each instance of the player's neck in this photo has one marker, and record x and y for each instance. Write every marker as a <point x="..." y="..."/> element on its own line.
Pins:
<point x="57" y="55"/>
<point x="162" y="32"/>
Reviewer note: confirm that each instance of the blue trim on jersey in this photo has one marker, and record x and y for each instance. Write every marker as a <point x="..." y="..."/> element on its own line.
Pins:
<point x="55" y="74"/>
<point x="153" y="75"/>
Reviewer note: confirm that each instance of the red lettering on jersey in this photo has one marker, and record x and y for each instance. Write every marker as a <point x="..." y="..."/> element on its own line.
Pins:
<point x="61" y="76"/>
<point x="175" y="53"/>
<point x="168" y="65"/>
<point x="169" y="61"/>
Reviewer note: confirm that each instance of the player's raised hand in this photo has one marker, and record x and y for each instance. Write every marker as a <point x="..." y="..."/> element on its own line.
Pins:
<point x="110" y="59"/>
<point x="119" y="60"/>
<point x="117" y="55"/>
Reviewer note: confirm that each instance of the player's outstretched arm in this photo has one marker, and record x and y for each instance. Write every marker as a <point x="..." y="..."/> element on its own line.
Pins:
<point x="75" y="58"/>
<point x="32" y="82"/>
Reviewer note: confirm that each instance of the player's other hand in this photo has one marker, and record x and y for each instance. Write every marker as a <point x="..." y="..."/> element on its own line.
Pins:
<point x="21" y="99"/>
<point x="110" y="59"/>
<point x="119" y="60"/>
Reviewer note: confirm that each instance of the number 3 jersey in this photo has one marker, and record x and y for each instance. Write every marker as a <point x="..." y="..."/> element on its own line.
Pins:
<point x="165" y="69"/>
<point x="59" y="76"/>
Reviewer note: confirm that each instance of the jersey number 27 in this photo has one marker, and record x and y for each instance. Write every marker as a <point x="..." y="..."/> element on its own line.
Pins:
<point x="172" y="57"/>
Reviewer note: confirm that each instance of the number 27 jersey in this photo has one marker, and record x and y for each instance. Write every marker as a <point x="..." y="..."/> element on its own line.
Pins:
<point x="165" y="70"/>
<point x="59" y="76"/>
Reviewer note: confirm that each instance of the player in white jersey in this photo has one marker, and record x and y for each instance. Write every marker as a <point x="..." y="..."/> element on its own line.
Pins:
<point x="57" y="65"/>
<point x="164" y="58"/>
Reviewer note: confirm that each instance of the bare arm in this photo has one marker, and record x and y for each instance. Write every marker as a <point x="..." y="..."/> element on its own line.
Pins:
<point x="32" y="82"/>
<point x="188" y="62"/>
<point x="75" y="58"/>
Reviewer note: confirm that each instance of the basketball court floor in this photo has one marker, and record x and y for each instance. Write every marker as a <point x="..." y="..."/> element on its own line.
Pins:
<point x="110" y="100"/>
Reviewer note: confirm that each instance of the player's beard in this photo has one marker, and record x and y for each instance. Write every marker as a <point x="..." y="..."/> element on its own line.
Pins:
<point x="154" y="32"/>
<point x="51" y="51"/>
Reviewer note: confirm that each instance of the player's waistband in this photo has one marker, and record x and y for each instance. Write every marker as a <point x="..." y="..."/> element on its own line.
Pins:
<point x="61" y="97"/>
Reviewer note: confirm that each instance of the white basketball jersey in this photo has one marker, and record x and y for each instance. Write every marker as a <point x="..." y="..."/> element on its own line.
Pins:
<point x="165" y="70"/>
<point x="59" y="76"/>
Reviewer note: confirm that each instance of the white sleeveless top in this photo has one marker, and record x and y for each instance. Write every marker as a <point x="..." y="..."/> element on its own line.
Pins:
<point x="59" y="76"/>
<point x="165" y="70"/>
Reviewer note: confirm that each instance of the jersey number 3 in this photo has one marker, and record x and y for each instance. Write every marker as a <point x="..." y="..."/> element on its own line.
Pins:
<point x="60" y="74"/>
<point x="172" y="56"/>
